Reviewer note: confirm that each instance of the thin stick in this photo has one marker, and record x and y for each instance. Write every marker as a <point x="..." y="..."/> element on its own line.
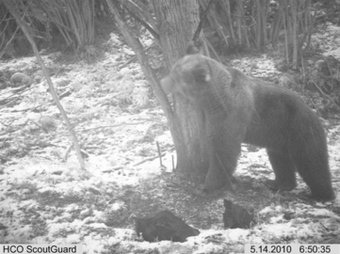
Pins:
<point x="159" y="154"/>
<point x="173" y="163"/>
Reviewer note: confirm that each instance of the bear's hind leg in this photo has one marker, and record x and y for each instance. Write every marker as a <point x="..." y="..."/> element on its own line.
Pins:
<point x="309" y="151"/>
<point x="314" y="170"/>
<point x="284" y="169"/>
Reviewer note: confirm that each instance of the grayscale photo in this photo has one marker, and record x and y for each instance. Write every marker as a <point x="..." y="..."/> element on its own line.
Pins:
<point x="170" y="126"/>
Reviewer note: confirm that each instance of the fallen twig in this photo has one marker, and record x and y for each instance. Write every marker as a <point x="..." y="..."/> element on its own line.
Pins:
<point x="153" y="158"/>
<point x="326" y="95"/>
<point x="110" y="126"/>
<point x="148" y="159"/>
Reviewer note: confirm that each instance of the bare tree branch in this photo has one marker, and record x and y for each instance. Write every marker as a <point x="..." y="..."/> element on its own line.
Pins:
<point x="26" y="30"/>
<point x="144" y="17"/>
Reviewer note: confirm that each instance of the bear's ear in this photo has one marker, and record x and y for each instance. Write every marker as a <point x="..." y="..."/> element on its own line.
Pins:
<point x="167" y="85"/>
<point x="201" y="73"/>
<point x="227" y="204"/>
<point x="192" y="49"/>
<point x="195" y="47"/>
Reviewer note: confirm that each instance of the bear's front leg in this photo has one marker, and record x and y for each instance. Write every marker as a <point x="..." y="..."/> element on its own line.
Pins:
<point x="223" y="148"/>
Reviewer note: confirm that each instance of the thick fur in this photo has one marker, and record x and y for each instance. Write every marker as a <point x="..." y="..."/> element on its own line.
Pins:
<point x="239" y="109"/>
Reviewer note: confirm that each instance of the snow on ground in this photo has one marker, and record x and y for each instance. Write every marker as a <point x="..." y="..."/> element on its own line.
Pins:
<point x="44" y="199"/>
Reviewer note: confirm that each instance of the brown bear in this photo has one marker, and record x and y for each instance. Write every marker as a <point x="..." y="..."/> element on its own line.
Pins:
<point x="238" y="109"/>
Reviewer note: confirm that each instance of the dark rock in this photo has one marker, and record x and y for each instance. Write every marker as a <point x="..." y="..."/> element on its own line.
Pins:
<point x="164" y="226"/>
<point x="18" y="79"/>
<point x="236" y="216"/>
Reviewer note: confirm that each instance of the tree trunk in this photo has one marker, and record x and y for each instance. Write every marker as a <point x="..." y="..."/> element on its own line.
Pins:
<point x="178" y="21"/>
